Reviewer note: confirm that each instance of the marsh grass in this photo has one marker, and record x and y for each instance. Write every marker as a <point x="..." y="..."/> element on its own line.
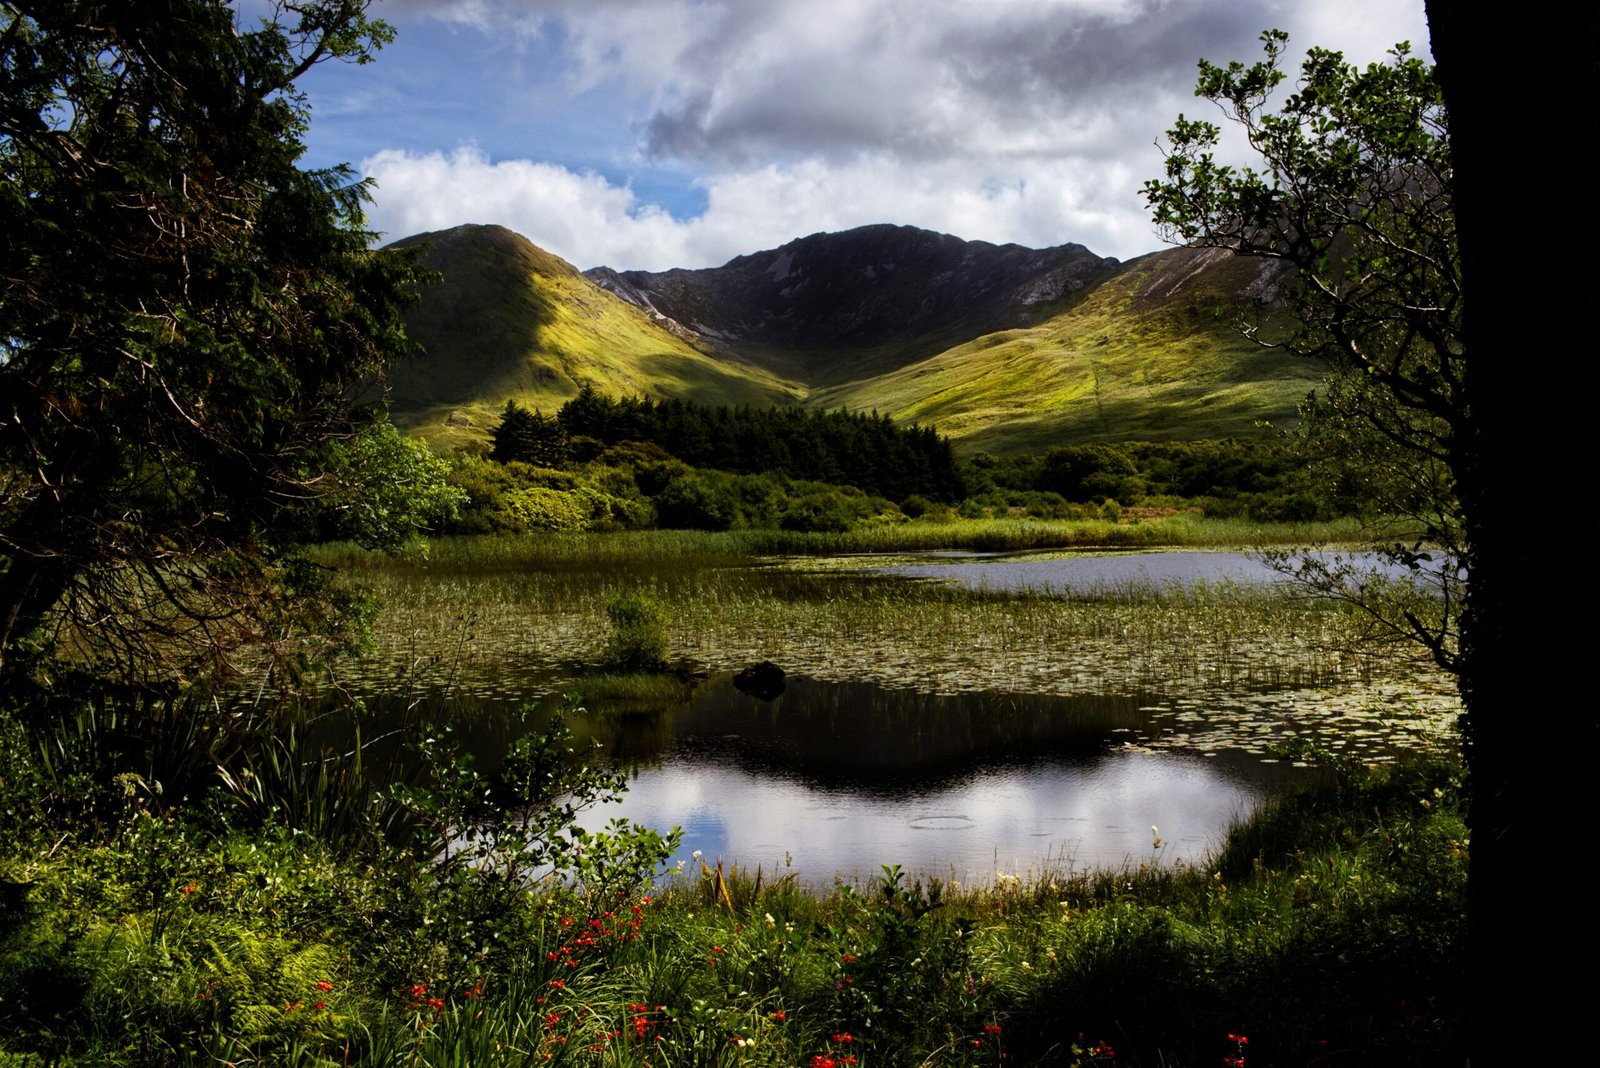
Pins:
<point x="557" y="550"/>
<point x="1226" y="665"/>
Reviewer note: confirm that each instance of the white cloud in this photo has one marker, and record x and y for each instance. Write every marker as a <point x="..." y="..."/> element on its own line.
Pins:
<point x="1032" y="121"/>
<point x="588" y="221"/>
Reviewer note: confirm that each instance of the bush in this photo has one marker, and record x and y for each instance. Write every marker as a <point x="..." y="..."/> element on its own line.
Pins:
<point x="638" y="639"/>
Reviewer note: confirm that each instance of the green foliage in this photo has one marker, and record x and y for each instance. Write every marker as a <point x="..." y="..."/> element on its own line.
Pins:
<point x="1331" y="919"/>
<point x="1355" y="198"/>
<point x="638" y="640"/>
<point x="389" y="488"/>
<point x="530" y="438"/>
<point x="865" y="451"/>
<point x="517" y="498"/>
<point x="189" y="320"/>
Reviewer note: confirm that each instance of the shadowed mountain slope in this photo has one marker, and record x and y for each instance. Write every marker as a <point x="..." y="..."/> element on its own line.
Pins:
<point x="1000" y="347"/>
<point x="511" y="321"/>
<point x="834" y="308"/>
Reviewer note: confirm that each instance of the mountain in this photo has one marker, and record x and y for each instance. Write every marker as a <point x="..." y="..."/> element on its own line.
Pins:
<point x="508" y="320"/>
<point x="1001" y="347"/>
<point x="1152" y="352"/>
<point x="834" y="308"/>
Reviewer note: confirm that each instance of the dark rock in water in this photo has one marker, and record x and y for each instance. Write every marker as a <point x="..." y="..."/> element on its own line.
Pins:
<point x="763" y="681"/>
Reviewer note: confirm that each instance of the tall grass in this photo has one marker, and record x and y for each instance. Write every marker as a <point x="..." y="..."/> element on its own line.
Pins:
<point x="1326" y="930"/>
<point x="629" y="548"/>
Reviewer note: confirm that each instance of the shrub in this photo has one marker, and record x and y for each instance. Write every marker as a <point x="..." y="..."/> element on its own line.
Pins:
<point x="638" y="639"/>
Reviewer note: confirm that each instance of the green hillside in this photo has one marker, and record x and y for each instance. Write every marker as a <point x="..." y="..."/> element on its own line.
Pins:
<point x="1144" y="350"/>
<point x="511" y="321"/>
<point x="1150" y="354"/>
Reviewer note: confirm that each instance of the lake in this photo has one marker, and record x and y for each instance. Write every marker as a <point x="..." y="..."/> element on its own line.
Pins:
<point x="962" y="730"/>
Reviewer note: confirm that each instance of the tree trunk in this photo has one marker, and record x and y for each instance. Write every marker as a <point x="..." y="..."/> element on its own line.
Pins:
<point x="1530" y="726"/>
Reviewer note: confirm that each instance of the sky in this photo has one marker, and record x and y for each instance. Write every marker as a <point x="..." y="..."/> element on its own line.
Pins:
<point x="648" y="134"/>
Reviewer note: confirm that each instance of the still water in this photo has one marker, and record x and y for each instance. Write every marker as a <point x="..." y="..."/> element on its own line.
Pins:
<point x="1010" y="735"/>
<point x="833" y="780"/>
<point x="1054" y="573"/>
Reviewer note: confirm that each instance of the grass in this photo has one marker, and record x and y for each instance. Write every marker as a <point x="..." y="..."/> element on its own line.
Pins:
<point x="1327" y="930"/>
<point x="509" y="320"/>
<point x="496" y="619"/>
<point x="1152" y="354"/>
<point x="582" y="550"/>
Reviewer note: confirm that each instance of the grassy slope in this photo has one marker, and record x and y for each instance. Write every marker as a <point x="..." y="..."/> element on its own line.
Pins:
<point x="512" y="321"/>
<point x="1150" y="354"/>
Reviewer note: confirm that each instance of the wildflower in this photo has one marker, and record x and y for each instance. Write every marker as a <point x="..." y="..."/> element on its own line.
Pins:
<point x="418" y="991"/>
<point x="819" y="1061"/>
<point x="435" y="1003"/>
<point x="843" y="1038"/>
<point x="993" y="1029"/>
<point x="780" y="1016"/>
<point x="324" y="985"/>
<point x="319" y="1006"/>
<point x="191" y="888"/>
<point x="769" y="921"/>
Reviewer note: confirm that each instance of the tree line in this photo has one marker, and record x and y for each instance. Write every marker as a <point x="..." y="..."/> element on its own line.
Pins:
<point x="867" y="451"/>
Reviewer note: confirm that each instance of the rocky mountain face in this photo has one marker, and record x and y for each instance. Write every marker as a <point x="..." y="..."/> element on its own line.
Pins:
<point x="832" y="307"/>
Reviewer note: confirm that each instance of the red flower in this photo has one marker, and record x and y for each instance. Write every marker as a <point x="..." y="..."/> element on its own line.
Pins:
<point x="191" y="888"/>
<point x="993" y="1029"/>
<point x="324" y="985"/>
<point x="780" y="1016"/>
<point x="843" y="1036"/>
<point x="819" y="1061"/>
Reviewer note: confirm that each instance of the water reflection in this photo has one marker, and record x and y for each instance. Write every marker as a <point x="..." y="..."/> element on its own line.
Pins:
<point x="838" y="779"/>
<point x="1147" y="570"/>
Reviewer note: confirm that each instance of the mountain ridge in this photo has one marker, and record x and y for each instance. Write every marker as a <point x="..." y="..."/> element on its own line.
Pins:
<point x="999" y="346"/>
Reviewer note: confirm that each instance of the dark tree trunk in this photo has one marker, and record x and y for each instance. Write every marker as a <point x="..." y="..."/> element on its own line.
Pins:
<point x="1531" y="727"/>
<point x="34" y="582"/>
